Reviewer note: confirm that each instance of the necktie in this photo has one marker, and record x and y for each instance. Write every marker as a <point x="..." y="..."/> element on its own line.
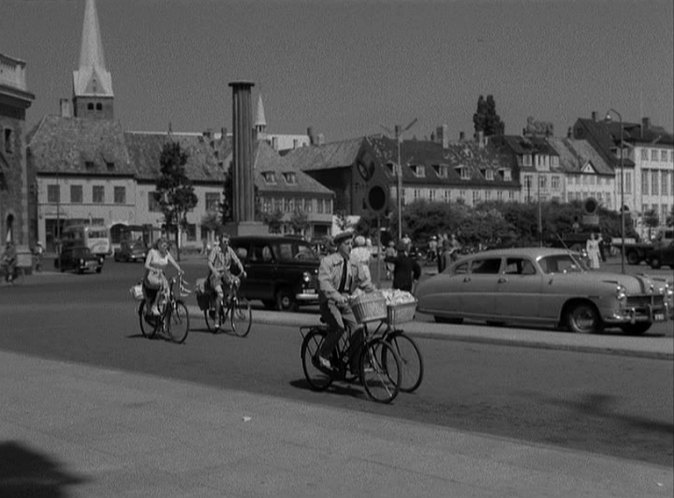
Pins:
<point x="342" y="282"/>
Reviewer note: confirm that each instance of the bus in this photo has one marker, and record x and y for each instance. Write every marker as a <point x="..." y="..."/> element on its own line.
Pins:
<point x="134" y="241"/>
<point x="95" y="237"/>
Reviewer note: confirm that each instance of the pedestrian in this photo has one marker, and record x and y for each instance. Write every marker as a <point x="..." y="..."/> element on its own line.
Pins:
<point x="592" y="248"/>
<point x="406" y="269"/>
<point x="360" y="254"/>
<point x="432" y="248"/>
<point x="390" y="252"/>
<point x="38" y="251"/>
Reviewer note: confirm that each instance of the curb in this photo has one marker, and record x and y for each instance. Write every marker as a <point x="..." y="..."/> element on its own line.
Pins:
<point x="657" y="348"/>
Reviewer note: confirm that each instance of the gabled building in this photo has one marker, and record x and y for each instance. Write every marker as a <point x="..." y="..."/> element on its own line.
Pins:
<point x="647" y="166"/>
<point x="14" y="183"/>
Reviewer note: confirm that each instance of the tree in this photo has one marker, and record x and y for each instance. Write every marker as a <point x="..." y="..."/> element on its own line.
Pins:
<point x="174" y="191"/>
<point x="299" y="221"/>
<point x="485" y="118"/>
<point x="273" y="220"/>
<point x="227" y="199"/>
<point x="651" y="220"/>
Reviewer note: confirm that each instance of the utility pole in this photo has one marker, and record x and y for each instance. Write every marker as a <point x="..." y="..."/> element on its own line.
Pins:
<point x="399" y="172"/>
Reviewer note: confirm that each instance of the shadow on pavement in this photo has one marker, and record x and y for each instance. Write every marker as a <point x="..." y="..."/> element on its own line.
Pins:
<point x="26" y="472"/>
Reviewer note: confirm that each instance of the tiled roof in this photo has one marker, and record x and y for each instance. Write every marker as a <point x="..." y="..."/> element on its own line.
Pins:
<point x="268" y="160"/>
<point x="327" y="156"/>
<point x="79" y="146"/>
<point x="574" y="153"/>
<point x="207" y="158"/>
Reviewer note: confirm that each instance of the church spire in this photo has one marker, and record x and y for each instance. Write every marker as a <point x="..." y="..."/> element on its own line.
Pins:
<point x="92" y="83"/>
<point x="260" y="121"/>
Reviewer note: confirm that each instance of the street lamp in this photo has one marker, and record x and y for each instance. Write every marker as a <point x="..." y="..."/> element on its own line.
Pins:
<point x="622" y="189"/>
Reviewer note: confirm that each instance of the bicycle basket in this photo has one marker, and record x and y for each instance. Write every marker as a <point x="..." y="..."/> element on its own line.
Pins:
<point x="369" y="307"/>
<point x="400" y="313"/>
<point x="136" y="292"/>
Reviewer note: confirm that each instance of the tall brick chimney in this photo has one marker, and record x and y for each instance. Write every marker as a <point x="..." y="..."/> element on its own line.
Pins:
<point x="242" y="150"/>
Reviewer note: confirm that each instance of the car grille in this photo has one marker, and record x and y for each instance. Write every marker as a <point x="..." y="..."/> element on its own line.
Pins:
<point x="643" y="302"/>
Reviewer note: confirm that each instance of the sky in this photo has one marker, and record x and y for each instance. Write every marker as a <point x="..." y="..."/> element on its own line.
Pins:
<point x="350" y="68"/>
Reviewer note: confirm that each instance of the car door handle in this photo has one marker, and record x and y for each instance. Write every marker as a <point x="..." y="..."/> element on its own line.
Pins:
<point x="502" y="279"/>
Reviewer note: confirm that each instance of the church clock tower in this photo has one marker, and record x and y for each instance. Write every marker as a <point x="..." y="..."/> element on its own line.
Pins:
<point x="92" y="83"/>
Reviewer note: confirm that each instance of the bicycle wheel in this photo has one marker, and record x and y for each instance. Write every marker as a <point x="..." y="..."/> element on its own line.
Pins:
<point x="178" y="322"/>
<point x="241" y="316"/>
<point x="317" y="378"/>
<point x="380" y="371"/>
<point x="209" y="317"/>
<point x="410" y="360"/>
<point x="148" y="324"/>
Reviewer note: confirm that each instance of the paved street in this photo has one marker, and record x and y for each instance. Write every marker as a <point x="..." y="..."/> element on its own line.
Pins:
<point x="589" y="404"/>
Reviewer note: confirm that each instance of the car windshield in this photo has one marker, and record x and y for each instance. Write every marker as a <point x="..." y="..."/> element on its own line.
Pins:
<point x="560" y="263"/>
<point x="289" y="251"/>
<point x="81" y="252"/>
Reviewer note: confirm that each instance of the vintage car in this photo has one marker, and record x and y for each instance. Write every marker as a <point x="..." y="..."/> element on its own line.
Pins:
<point x="78" y="258"/>
<point x="131" y="251"/>
<point x="544" y="286"/>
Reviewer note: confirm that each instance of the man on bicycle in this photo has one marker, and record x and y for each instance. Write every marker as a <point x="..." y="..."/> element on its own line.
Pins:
<point x="338" y="278"/>
<point x="9" y="261"/>
<point x="220" y="262"/>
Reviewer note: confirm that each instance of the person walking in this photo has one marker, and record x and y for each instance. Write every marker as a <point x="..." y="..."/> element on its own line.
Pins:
<point x="406" y="269"/>
<point x="593" y="251"/>
<point x="390" y="252"/>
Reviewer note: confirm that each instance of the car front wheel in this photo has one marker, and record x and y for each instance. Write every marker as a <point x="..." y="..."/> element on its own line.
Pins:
<point x="655" y="263"/>
<point x="285" y="299"/>
<point x="583" y="318"/>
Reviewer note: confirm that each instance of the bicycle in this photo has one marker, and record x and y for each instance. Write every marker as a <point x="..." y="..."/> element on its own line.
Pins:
<point x="173" y="320"/>
<point x="237" y="308"/>
<point x="411" y="361"/>
<point x="379" y="366"/>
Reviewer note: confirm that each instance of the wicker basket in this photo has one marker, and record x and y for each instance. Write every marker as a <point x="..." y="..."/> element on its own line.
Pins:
<point x="136" y="292"/>
<point x="400" y="313"/>
<point x="369" y="307"/>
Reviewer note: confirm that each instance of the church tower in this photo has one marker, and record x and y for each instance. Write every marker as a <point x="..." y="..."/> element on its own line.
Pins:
<point x="92" y="83"/>
<point x="260" y="121"/>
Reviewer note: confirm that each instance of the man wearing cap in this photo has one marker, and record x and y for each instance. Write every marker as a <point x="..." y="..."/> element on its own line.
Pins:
<point x="338" y="278"/>
<point x="220" y="261"/>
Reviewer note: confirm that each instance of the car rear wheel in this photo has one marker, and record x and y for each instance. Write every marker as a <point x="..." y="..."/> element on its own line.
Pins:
<point x="583" y="318"/>
<point x="632" y="258"/>
<point x="655" y="263"/>
<point x="285" y="299"/>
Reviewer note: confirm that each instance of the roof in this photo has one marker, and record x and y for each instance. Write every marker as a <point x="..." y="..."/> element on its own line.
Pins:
<point x="206" y="156"/>
<point x="79" y="146"/>
<point x="332" y="155"/>
<point x="268" y="160"/>
<point x="575" y="153"/>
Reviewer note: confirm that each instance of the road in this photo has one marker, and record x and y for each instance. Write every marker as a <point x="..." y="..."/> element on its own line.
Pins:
<point x="613" y="405"/>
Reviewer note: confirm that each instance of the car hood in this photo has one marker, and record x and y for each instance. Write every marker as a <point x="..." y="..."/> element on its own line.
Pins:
<point x="633" y="284"/>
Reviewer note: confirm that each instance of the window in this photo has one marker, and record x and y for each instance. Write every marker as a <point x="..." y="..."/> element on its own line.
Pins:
<point x="153" y="202"/>
<point x="644" y="154"/>
<point x="644" y="182"/>
<point x="53" y="193"/>
<point x="543" y="182"/>
<point x="110" y="165"/>
<point x="120" y="195"/>
<point x="487" y="195"/>
<point x="486" y="266"/>
<point x="554" y="183"/>
<point x="628" y="182"/>
<point x="431" y="195"/>
<point x="465" y="174"/>
<point x="663" y="156"/>
<point x="419" y="171"/>
<point x="76" y="194"/>
<point x="308" y="205"/>
<point x="191" y="232"/>
<point x="319" y="206"/>
<point x="664" y="188"/>
<point x="9" y="140"/>
<point x="290" y="178"/>
<point x="212" y="201"/>
<point x="97" y="194"/>
<point x="476" y="196"/>
<point x="654" y="155"/>
<point x="555" y="161"/>
<point x="90" y="106"/>
<point x="654" y="183"/>
<point x="269" y="177"/>
<point x="448" y="195"/>
<point x="489" y="174"/>
<point x="511" y="195"/>
<point x="99" y="106"/>
<point x="441" y="170"/>
<point x="519" y="266"/>
<point x="526" y="160"/>
<point x="499" y="195"/>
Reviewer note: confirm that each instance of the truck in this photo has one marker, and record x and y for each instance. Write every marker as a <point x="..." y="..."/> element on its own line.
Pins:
<point x="636" y="252"/>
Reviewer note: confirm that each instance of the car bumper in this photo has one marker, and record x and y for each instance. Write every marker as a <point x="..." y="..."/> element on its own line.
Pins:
<point x="639" y="314"/>
<point x="307" y="297"/>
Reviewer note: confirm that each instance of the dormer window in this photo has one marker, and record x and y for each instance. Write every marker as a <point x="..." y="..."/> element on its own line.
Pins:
<point x="555" y="161"/>
<point x="89" y="164"/>
<point x="391" y="168"/>
<point x="505" y="174"/>
<point x="489" y="174"/>
<point x="463" y="172"/>
<point x="526" y="160"/>
<point x="442" y="170"/>
<point x="269" y="177"/>
<point x="110" y="165"/>
<point x="419" y="171"/>
<point x="290" y="178"/>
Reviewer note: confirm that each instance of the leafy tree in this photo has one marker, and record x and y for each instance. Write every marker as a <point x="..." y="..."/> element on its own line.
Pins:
<point x="342" y="220"/>
<point x="485" y="118"/>
<point x="174" y="190"/>
<point x="273" y="220"/>
<point x="670" y="218"/>
<point x="299" y="221"/>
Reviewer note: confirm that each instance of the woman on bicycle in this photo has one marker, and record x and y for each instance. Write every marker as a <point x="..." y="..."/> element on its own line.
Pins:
<point x="219" y="265"/>
<point x="158" y="258"/>
<point x="338" y="277"/>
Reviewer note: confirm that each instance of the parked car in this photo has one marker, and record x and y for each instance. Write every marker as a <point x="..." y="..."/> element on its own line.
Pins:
<point x="78" y="258"/>
<point x="281" y="271"/>
<point x="130" y="250"/>
<point x="544" y="286"/>
<point x="660" y="256"/>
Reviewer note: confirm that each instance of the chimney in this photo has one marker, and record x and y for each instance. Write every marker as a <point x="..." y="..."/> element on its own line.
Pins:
<point x="274" y="143"/>
<point x="208" y="133"/>
<point x="321" y="139"/>
<point x="66" y="110"/>
<point x="442" y="136"/>
<point x="462" y="136"/>
<point x="569" y="133"/>
<point x="312" y="137"/>
<point x="594" y="115"/>
<point x="645" y="125"/>
<point x="242" y="151"/>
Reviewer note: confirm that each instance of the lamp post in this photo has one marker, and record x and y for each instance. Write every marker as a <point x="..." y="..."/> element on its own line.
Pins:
<point x="622" y="189"/>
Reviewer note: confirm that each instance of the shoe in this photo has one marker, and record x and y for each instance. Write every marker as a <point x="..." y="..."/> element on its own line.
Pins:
<point x="324" y="362"/>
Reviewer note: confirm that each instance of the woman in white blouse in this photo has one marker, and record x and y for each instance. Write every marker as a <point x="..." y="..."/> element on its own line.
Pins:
<point x="156" y="261"/>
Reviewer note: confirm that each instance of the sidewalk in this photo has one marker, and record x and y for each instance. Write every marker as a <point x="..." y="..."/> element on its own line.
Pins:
<point x="79" y="431"/>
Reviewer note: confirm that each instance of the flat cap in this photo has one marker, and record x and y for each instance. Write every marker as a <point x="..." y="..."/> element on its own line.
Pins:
<point x="341" y="237"/>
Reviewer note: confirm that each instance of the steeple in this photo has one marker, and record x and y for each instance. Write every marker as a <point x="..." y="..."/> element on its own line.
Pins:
<point x="92" y="83"/>
<point x="260" y="121"/>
